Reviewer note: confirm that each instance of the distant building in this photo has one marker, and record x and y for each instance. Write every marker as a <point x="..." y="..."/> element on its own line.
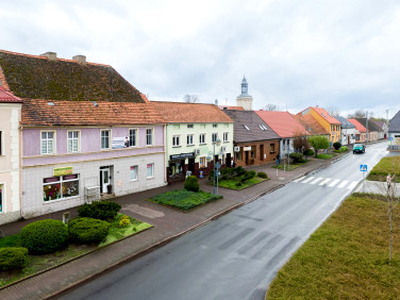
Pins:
<point x="348" y="136"/>
<point x="244" y="99"/>
<point x="394" y="133"/>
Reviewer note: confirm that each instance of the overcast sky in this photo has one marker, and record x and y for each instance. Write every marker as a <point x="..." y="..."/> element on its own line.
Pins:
<point x="337" y="54"/>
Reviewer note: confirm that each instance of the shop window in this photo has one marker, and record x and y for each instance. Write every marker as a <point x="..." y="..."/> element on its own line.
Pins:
<point x="253" y="152"/>
<point x="73" y="142"/>
<point x="105" y="139"/>
<point x="47" y="141"/>
<point x="176" y="141"/>
<point x="175" y="168"/>
<point x="150" y="170"/>
<point x="1" y="196"/>
<point x="202" y="138"/>
<point x="132" y="137"/>
<point x="59" y="187"/>
<point x="203" y="162"/>
<point x="190" y="139"/>
<point x="149" y="136"/>
<point x="134" y="173"/>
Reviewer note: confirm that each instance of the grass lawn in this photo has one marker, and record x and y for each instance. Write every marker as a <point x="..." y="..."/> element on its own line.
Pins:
<point x="386" y="165"/>
<point x="37" y="263"/>
<point x="232" y="183"/>
<point x="346" y="258"/>
<point x="325" y="156"/>
<point x="288" y="167"/>
<point x="183" y="199"/>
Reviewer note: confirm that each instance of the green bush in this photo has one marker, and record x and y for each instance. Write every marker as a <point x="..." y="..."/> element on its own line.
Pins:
<point x="343" y="149"/>
<point x="192" y="184"/>
<point x="248" y="175"/>
<point x="253" y="173"/>
<point x="337" y="145"/>
<point x="103" y="210"/>
<point x="238" y="184"/>
<point x="262" y="175"/>
<point x="13" y="258"/>
<point x="87" y="230"/>
<point x="309" y="152"/>
<point x="296" y="157"/>
<point x="44" y="236"/>
<point x="239" y="171"/>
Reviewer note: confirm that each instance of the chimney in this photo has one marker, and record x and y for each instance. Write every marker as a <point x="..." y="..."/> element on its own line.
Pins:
<point x="50" y="55"/>
<point x="80" y="59"/>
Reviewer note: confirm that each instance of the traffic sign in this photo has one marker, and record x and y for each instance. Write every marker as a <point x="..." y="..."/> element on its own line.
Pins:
<point x="217" y="165"/>
<point x="363" y="168"/>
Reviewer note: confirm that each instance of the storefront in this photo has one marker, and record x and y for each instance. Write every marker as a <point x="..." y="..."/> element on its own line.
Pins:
<point x="179" y="164"/>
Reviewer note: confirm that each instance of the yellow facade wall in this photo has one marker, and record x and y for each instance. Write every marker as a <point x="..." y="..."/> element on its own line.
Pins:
<point x="333" y="129"/>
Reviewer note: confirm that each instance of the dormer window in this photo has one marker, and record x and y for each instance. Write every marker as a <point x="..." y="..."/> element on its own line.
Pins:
<point x="247" y="128"/>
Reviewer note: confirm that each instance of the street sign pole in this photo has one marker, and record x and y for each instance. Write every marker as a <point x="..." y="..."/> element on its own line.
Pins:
<point x="363" y="169"/>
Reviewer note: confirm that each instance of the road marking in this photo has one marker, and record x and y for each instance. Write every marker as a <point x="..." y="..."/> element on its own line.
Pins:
<point x="352" y="185"/>
<point x="316" y="180"/>
<point x="299" y="179"/>
<point x="308" y="179"/>
<point x="342" y="185"/>
<point x="325" y="181"/>
<point x="335" y="182"/>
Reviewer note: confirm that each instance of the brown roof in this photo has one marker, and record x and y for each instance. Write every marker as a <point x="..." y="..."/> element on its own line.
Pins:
<point x="182" y="112"/>
<point x="7" y="97"/>
<point x="311" y="125"/>
<point x="87" y="113"/>
<point x="249" y="127"/>
<point x="37" y="77"/>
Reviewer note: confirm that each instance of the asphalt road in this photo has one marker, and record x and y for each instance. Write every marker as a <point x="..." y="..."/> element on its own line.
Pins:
<point x="238" y="255"/>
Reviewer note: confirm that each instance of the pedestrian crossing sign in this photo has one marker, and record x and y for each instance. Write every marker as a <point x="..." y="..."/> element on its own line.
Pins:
<point x="363" y="168"/>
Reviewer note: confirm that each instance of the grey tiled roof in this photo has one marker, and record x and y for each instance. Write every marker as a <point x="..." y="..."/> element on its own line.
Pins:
<point x="371" y="125"/>
<point x="249" y="127"/>
<point x="345" y="123"/>
<point x="394" y="125"/>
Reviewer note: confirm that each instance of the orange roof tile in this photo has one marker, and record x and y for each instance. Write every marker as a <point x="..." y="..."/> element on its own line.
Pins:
<point x="323" y="113"/>
<point x="282" y="122"/>
<point x="37" y="112"/>
<point x="232" y="107"/>
<point x="7" y="97"/>
<point x="182" y="112"/>
<point x="311" y="125"/>
<point x="358" y="125"/>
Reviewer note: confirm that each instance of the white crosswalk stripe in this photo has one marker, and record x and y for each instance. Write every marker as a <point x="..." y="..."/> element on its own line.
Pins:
<point x="316" y="180"/>
<point x="352" y="185"/>
<point x="308" y="180"/>
<point x="299" y="179"/>
<point x="343" y="184"/>
<point x="324" y="181"/>
<point x="335" y="182"/>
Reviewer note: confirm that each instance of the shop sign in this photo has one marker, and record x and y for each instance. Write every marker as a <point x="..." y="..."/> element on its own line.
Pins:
<point x="247" y="148"/>
<point x="181" y="156"/>
<point x="119" y="142"/>
<point x="62" y="171"/>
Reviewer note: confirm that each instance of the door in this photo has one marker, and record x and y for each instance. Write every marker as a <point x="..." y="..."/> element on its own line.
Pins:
<point x="105" y="178"/>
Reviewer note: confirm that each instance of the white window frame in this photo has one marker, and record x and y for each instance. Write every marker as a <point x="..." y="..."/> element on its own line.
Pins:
<point x="226" y="137"/>
<point x="109" y="138"/>
<point x="72" y="140"/>
<point x="176" y="140"/>
<point x="152" y="171"/>
<point x="214" y="137"/>
<point x="133" y="143"/>
<point x="202" y="138"/>
<point x="151" y="135"/>
<point x="47" y="141"/>
<point x="1" y="143"/>
<point x="2" y="197"/>
<point x="61" y="182"/>
<point x="134" y="170"/>
<point x="190" y="140"/>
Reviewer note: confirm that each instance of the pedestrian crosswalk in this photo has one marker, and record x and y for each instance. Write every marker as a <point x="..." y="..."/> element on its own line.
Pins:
<point x="330" y="182"/>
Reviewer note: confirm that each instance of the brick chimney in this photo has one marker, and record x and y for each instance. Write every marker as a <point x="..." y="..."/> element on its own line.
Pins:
<point x="50" y="55"/>
<point x="80" y="59"/>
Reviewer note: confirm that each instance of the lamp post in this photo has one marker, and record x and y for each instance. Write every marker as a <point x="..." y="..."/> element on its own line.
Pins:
<point x="216" y="166"/>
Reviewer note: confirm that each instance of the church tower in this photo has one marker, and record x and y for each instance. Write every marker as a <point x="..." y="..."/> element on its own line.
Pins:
<point x="244" y="99"/>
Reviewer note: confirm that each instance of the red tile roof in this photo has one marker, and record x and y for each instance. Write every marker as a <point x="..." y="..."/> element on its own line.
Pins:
<point x="232" y="107"/>
<point x="182" y="112"/>
<point x="323" y="113"/>
<point x="282" y="122"/>
<point x="358" y="125"/>
<point x="311" y="124"/>
<point x="7" y="97"/>
<point x="37" y="112"/>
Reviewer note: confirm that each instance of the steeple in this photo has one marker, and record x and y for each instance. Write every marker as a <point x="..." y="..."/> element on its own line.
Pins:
<point x="244" y="99"/>
<point x="245" y="87"/>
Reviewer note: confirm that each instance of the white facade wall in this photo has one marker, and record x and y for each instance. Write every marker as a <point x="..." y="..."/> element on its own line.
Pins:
<point x="348" y="133"/>
<point x="89" y="176"/>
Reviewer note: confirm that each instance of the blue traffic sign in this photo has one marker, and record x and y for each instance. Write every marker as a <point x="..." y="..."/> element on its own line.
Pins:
<point x="363" y="168"/>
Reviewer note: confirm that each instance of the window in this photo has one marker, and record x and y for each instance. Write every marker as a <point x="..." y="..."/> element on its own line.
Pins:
<point x="190" y="126"/>
<point x="176" y="141"/>
<point x="1" y="143"/>
<point x="134" y="173"/>
<point x="150" y="170"/>
<point x="215" y="125"/>
<point x="48" y="142"/>
<point x="132" y="137"/>
<point x="149" y="136"/>
<point x="284" y="145"/>
<point x="203" y="162"/>
<point x="59" y="187"/>
<point x="189" y="139"/>
<point x="73" y="141"/>
<point x="225" y="136"/>
<point x="272" y="148"/>
<point x="1" y="196"/>
<point x="105" y="139"/>
<point x="202" y="138"/>
<point x="214" y="137"/>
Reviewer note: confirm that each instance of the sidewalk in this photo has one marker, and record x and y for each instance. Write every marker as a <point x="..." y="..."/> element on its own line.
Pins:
<point x="168" y="224"/>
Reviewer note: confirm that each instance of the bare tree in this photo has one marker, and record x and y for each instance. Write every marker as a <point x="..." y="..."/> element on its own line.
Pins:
<point x="270" y="107"/>
<point x="333" y="110"/>
<point x="300" y="142"/>
<point x="191" y="98"/>
<point x="359" y="113"/>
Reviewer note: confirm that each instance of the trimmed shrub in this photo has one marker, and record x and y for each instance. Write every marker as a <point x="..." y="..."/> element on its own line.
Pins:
<point x="337" y="145"/>
<point x="262" y="175"/>
<point x="103" y="210"/>
<point x="343" y="149"/>
<point x="239" y="171"/>
<point x="248" y="175"/>
<point x="88" y="230"/>
<point x="296" y="157"/>
<point x="192" y="184"/>
<point x="44" y="236"/>
<point x="253" y="173"/>
<point x="13" y="258"/>
<point x="309" y="152"/>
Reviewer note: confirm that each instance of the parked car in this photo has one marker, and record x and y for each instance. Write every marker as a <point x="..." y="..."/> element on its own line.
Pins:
<point x="358" y="148"/>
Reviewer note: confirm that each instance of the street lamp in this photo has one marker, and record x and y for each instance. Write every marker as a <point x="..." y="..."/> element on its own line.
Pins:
<point x="216" y="166"/>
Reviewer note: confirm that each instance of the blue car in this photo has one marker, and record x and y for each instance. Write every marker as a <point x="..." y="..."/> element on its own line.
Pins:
<point x="358" y="148"/>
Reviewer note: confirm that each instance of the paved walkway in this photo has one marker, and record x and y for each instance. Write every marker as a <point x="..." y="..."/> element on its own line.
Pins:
<point x="168" y="224"/>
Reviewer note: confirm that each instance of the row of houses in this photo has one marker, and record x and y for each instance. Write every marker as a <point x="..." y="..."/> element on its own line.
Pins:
<point x="72" y="131"/>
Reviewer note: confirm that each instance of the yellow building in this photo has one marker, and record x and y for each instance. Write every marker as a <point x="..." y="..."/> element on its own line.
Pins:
<point x="329" y="123"/>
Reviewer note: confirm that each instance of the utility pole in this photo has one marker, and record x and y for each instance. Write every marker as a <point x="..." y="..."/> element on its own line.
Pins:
<point x="366" y="140"/>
